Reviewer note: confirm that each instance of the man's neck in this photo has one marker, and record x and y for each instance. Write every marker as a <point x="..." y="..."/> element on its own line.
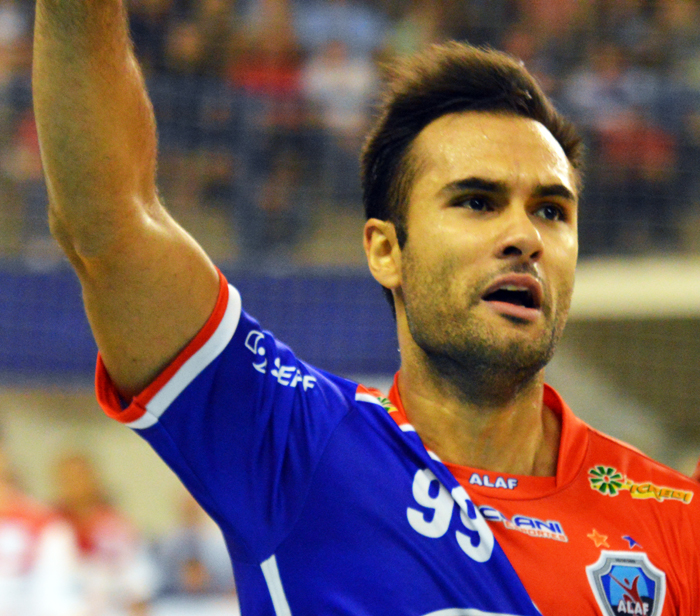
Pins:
<point x="520" y="436"/>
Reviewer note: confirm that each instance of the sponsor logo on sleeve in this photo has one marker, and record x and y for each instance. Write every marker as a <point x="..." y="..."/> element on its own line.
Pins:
<point x="289" y="376"/>
<point x="254" y="343"/>
<point x="627" y="583"/>
<point x="609" y="481"/>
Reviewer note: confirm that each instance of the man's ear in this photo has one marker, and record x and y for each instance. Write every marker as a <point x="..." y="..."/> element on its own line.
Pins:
<point x="383" y="252"/>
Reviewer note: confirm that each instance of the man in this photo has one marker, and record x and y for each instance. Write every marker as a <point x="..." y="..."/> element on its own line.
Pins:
<point x="117" y="576"/>
<point x="330" y="504"/>
<point x="38" y="555"/>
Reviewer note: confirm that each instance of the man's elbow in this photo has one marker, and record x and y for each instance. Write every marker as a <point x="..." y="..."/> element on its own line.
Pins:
<point x="63" y="238"/>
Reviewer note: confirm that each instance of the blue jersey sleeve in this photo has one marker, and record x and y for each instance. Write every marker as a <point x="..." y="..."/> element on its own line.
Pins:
<point x="242" y="422"/>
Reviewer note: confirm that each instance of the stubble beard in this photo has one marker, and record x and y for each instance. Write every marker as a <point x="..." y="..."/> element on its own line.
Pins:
<point x="481" y="363"/>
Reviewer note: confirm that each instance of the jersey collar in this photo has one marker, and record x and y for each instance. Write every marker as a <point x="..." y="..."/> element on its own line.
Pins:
<point x="572" y="451"/>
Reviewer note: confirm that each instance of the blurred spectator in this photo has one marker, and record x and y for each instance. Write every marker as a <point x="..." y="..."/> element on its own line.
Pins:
<point x="420" y="24"/>
<point x="274" y="150"/>
<point x="21" y="176"/>
<point x="193" y="559"/>
<point x="631" y="25"/>
<point x="550" y="38"/>
<point x="149" y="20"/>
<point x="550" y="16"/>
<point x="637" y="162"/>
<point x="525" y="44"/>
<point x="679" y="19"/>
<point x="358" y="24"/>
<point x="606" y="86"/>
<point x="475" y="21"/>
<point x="38" y="555"/>
<point x="341" y="89"/>
<point x="632" y="160"/>
<point x="677" y="23"/>
<point x="117" y="574"/>
<point x="15" y="23"/>
<point x="197" y="42"/>
<point x="195" y="107"/>
<point x="23" y="163"/>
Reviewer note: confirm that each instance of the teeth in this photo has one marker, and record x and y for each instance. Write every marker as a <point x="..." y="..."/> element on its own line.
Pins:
<point x="512" y="287"/>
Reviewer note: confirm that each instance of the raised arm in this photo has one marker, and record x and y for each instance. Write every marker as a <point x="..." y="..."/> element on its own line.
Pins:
<point x="148" y="287"/>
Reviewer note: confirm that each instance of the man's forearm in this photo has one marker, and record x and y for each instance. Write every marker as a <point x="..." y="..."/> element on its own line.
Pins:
<point x="94" y="119"/>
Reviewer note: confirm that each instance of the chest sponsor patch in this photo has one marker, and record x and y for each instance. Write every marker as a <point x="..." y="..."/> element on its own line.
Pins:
<point x="545" y="529"/>
<point x="609" y="481"/>
<point x="485" y="480"/>
<point x="627" y="583"/>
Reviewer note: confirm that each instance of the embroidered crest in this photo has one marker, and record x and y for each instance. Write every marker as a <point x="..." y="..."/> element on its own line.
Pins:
<point x="627" y="583"/>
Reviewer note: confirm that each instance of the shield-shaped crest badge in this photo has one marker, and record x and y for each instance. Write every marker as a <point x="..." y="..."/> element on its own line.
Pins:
<point x="627" y="583"/>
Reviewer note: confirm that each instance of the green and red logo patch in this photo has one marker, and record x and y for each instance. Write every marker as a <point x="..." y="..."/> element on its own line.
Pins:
<point x="609" y="481"/>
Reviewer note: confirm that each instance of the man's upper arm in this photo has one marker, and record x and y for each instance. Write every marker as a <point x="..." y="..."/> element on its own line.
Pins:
<point x="146" y="303"/>
<point x="148" y="287"/>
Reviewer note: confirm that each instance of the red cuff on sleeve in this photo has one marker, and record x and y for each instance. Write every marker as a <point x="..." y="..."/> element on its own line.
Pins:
<point x="107" y="395"/>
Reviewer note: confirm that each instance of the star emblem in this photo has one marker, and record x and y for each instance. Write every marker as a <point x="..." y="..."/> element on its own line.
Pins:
<point x="632" y="542"/>
<point x="598" y="539"/>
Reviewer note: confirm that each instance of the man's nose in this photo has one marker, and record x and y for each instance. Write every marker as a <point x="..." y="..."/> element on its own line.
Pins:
<point x="520" y="237"/>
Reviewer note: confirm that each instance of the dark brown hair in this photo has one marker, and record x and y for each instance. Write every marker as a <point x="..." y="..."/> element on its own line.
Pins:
<point x="444" y="79"/>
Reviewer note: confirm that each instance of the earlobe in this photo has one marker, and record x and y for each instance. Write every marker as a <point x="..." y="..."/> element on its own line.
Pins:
<point x="383" y="252"/>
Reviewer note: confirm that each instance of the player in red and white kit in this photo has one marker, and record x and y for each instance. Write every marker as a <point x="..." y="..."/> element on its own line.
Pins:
<point x="117" y="575"/>
<point x="38" y="556"/>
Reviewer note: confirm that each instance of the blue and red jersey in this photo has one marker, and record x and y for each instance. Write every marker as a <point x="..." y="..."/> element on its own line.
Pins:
<point x="330" y="503"/>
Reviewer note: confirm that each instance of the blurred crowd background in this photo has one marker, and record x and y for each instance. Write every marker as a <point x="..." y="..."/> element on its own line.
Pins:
<point x="262" y="106"/>
<point x="79" y="553"/>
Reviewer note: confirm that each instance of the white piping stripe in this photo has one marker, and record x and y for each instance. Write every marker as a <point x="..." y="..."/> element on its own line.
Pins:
<point x="364" y="397"/>
<point x="407" y="428"/>
<point x="274" y="585"/>
<point x="194" y="365"/>
<point x="433" y="455"/>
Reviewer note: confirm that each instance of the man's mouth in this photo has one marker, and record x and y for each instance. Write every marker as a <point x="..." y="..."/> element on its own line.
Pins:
<point x="516" y="295"/>
<point x="512" y="294"/>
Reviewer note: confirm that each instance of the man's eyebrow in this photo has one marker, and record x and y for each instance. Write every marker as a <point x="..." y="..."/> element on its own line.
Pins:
<point x="475" y="183"/>
<point x="501" y="188"/>
<point x="554" y="190"/>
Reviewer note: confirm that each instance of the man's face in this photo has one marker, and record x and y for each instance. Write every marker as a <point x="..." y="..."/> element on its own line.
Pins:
<point x="487" y="271"/>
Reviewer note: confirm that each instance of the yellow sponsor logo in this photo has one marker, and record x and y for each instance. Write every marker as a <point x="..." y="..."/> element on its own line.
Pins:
<point x="660" y="493"/>
<point x="611" y="482"/>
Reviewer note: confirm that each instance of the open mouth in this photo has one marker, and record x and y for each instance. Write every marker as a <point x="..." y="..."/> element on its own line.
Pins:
<point x="519" y="291"/>
<point x="511" y="294"/>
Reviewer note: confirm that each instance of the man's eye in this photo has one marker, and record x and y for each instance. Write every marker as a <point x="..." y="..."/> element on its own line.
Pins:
<point x="478" y="204"/>
<point x="551" y="212"/>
